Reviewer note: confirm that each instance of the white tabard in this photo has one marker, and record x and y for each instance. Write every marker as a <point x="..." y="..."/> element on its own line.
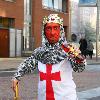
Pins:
<point x="59" y="81"/>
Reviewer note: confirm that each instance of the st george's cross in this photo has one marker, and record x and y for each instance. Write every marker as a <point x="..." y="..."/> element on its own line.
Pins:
<point x="48" y="76"/>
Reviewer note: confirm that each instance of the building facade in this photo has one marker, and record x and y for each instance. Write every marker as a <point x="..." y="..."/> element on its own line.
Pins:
<point x="11" y="26"/>
<point x="87" y="15"/>
<point x="41" y="8"/>
<point x="21" y="23"/>
<point x="75" y="19"/>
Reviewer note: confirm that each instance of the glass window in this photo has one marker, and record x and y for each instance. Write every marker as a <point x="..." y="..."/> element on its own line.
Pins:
<point x="10" y="0"/>
<point x="50" y="3"/>
<point x="45" y="3"/>
<point x="0" y="21"/>
<point x="58" y="5"/>
<point x="64" y="6"/>
<point x="7" y="22"/>
<point x="11" y="22"/>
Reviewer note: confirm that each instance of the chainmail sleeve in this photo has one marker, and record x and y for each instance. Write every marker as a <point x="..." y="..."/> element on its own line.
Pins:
<point x="77" y="61"/>
<point x="78" y="64"/>
<point x="27" y="66"/>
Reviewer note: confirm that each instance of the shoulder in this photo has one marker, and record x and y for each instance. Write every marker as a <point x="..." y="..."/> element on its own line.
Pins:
<point x="38" y="49"/>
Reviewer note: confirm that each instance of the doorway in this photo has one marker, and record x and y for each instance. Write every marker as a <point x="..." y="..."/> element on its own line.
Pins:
<point x="4" y="43"/>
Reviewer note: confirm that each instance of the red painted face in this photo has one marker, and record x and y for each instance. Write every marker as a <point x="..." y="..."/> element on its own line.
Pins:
<point x="52" y="32"/>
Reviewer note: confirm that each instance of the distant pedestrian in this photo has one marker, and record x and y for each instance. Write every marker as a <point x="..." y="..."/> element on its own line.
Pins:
<point x="90" y="48"/>
<point x="83" y="46"/>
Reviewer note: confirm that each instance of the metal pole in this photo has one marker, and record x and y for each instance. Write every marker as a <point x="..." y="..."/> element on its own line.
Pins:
<point x="30" y="26"/>
<point x="97" y="29"/>
<point x="69" y="35"/>
<point x="15" y="42"/>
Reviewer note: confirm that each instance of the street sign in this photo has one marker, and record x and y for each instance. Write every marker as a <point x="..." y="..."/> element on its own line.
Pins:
<point x="87" y="3"/>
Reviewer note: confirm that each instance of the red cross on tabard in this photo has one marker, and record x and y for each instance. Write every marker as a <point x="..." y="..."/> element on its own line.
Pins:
<point x="48" y="76"/>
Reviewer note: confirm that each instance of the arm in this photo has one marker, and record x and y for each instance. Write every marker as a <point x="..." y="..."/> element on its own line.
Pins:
<point x="78" y="62"/>
<point x="27" y="66"/>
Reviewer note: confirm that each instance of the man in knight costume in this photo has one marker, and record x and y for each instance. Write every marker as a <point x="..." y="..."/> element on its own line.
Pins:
<point x="55" y="60"/>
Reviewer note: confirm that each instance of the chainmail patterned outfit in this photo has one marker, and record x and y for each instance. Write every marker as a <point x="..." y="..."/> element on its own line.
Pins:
<point x="55" y="64"/>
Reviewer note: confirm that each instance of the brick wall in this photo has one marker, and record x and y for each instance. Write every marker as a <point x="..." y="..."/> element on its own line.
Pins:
<point x="13" y="10"/>
<point x="38" y="12"/>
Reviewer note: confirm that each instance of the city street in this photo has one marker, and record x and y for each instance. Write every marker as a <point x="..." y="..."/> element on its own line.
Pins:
<point x="88" y="82"/>
<point x="51" y="30"/>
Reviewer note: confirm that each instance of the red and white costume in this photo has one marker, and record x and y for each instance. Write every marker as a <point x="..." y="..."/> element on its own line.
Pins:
<point x="55" y="64"/>
<point x="59" y="79"/>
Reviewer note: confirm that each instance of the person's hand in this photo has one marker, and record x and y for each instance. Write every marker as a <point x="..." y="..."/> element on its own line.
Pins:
<point x="14" y="83"/>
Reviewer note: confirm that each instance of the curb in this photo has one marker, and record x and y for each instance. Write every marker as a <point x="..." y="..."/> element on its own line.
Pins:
<point x="93" y="63"/>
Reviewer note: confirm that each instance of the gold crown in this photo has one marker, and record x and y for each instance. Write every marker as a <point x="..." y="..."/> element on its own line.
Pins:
<point x="54" y="18"/>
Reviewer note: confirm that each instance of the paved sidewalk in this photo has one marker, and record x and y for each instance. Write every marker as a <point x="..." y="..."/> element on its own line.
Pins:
<point x="10" y="63"/>
<point x="93" y="60"/>
<point x="89" y="80"/>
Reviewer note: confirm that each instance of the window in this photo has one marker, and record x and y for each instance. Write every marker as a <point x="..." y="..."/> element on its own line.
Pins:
<point x="10" y="0"/>
<point x="45" y="3"/>
<point x="57" y="5"/>
<point x="7" y="22"/>
<point x="51" y="3"/>
<point x="11" y="22"/>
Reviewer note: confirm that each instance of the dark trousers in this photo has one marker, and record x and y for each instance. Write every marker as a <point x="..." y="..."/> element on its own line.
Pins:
<point x="90" y="53"/>
<point x="84" y="52"/>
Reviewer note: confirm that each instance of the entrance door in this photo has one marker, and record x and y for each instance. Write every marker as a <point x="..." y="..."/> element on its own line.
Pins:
<point x="4" y="43"/>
